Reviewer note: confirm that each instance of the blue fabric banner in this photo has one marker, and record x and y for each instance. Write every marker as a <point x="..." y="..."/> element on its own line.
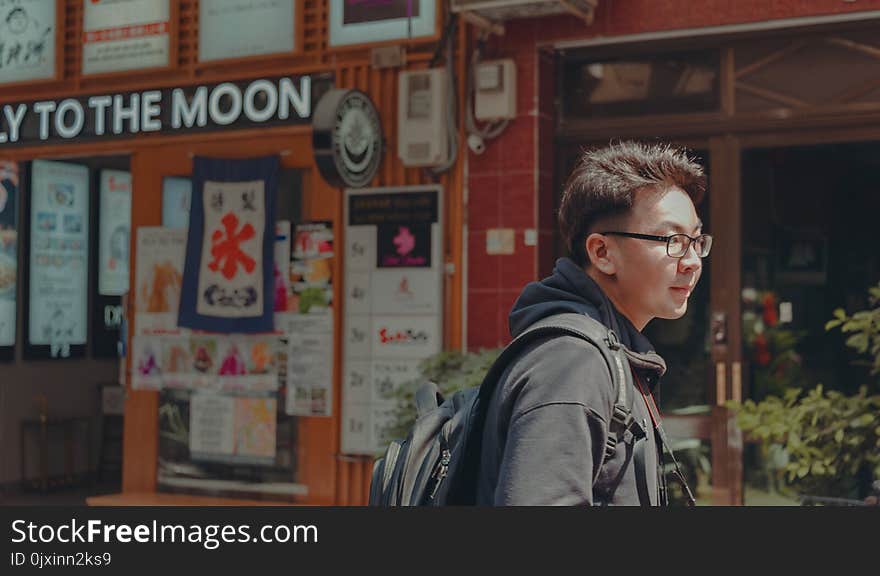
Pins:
<point x="227" y="278"/>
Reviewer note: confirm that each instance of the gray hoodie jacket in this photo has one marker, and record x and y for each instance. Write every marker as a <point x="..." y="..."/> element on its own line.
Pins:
<point x="548" y="420"/>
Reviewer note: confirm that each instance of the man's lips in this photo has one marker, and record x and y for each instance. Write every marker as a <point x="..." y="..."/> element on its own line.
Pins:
<point x="686" y="290"/>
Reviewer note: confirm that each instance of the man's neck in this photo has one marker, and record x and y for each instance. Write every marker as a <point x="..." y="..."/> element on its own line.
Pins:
<point x="610" y="287"/>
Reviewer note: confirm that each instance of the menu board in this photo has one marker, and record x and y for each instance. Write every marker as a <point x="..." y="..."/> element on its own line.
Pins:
<point x="27" y="40"/>
<point x="393" y="304"/>
<point x="115" y="231"/>
<point x="59" y="259"/>
<point x="124" y="35"/>
<point x="8" y="250"/>
<point x="241" y="28"/>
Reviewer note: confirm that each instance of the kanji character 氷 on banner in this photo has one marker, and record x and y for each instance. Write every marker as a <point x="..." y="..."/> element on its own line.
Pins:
<point x="227" y="280"/>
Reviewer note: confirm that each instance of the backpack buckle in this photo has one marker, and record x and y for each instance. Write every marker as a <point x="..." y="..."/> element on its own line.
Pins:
<point x="612" y="340"/>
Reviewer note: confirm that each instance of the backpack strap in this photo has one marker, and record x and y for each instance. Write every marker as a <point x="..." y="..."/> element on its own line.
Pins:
<point x="608" y="344"/>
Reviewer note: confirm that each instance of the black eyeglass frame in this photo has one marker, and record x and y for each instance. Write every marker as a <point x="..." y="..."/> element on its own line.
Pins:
<point x="667" y="239"/>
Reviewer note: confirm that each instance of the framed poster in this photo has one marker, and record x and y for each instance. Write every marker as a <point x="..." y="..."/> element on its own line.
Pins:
<point x="114" y="232"/>
<point x="122" y="35"/>
<point x="59" y="259"/>
<point x="28" y="40"/>
<point x="160" y="253"/>
<point x="243" y="28"/>
<point x="8" y="253"/>
<point x="394" y="303"/>
<point x="362" y="22"/>
<point x="176" y="195"/>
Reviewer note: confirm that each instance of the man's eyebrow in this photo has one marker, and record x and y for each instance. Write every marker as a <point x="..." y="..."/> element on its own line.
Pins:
<point x="667" y="225"/>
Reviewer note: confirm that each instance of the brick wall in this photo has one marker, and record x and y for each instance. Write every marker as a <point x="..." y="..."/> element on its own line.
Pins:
<point x="511" y="185"/>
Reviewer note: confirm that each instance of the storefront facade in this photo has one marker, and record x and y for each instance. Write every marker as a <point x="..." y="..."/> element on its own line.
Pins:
<point x="189" y="94"/>
<point x="766" y="96"/>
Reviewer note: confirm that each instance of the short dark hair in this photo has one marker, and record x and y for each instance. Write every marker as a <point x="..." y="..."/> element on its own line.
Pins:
<point x="605" y="182"/>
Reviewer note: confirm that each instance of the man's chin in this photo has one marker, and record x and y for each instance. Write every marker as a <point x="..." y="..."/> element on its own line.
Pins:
<point x="675" y="312"/>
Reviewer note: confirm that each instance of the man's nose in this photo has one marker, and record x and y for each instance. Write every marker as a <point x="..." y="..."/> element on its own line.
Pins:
<point x="691" y="260"/>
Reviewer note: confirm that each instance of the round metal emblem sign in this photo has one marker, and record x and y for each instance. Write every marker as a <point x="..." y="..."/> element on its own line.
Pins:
<point x="347" y="138"/>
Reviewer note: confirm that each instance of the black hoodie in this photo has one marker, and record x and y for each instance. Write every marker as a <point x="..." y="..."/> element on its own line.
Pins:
<point x="547" y="422"/>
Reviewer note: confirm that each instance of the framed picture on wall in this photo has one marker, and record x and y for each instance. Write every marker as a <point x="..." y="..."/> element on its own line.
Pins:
<point x="234" y="29"/>
<point x="357" y="22"/>
<point x="126" y="35"/>
<point x="30" y="40"/>
<point x="56" y="323"/>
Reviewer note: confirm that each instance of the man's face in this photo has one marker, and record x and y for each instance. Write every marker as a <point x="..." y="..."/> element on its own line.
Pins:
<point x="650" y="283"/>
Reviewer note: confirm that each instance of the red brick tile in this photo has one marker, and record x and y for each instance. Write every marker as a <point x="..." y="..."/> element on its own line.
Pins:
<point x="506" y="299"/>
<point x="518" y="200"/>
<point x="519" y="268"/>
<point x="518" y="144"/>
<point x="526" y="93"/>
<point x="484" y="202"/>
<point x="483" y="269"/>
<point x="482" y="320"/>
<point x="487" y="162"/>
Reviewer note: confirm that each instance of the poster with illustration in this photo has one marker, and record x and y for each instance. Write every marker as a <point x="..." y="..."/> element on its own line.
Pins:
<point x="232" y="429"/>
<point x="59" y="259"/>
<point x="114" y="232"/>
<point x="8" y="250"/>
<point x="311" y="269"/>
<point x="404" y="245"/>
<point x="394" y="303"/>
<point x="27" y="40"/>
<point x="281" y="272"/>
<point x="228" y="277"/>
<point x="308" y="322"/>
<point x="204" y="361"/>
<point x="121" y="35"/>
<point x="158" y="277"/>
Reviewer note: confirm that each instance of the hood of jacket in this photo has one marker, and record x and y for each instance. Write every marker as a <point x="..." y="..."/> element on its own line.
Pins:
<point x="570" y="289"/>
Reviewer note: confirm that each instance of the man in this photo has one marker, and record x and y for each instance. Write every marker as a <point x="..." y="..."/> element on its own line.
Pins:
<point x="629" y="220"/>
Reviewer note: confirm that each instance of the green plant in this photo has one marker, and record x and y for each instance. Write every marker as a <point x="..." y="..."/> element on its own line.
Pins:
<point x="451" y="371"/>
<point x="831" y="441"/>
<point x="864" y="327"/>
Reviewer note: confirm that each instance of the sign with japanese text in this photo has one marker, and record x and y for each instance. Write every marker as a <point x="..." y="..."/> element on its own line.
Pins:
<point x="27" y="40"/>
<point x="124" y="35"/>
<point x="393" y="304"/>
<point x="158" y="278"/>
<point x="228" y="278"/>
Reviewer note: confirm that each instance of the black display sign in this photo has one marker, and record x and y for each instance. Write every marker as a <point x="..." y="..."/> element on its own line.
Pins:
<point x="230" y="105"/>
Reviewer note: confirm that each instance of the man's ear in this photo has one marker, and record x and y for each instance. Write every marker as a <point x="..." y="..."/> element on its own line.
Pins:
<point x="599" y="253"/>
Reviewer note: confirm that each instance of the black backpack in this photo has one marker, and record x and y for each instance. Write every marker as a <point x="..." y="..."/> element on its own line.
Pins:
<point x="438" y="463"/>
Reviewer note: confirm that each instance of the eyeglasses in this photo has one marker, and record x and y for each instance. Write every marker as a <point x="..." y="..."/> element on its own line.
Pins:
<point x="677" y="245"/>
